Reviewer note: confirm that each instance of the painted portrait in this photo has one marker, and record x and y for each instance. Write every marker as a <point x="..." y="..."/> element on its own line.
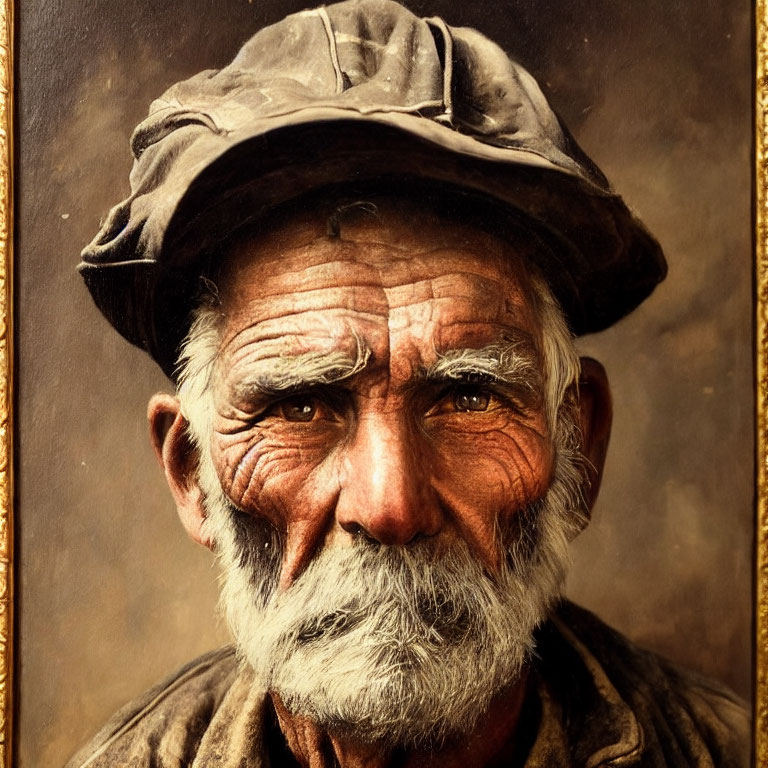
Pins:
<point x="654" y="100"/>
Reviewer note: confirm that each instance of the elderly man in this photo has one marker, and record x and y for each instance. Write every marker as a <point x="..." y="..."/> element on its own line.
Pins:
<point x="361" y="251"/>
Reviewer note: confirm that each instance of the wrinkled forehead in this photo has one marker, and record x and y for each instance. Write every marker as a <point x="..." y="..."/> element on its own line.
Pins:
<point x="408" y="283"/>
<point x="396" y="236"/>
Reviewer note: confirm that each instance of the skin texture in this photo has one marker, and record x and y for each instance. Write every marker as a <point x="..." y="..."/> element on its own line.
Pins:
<point x="385" y="451"/>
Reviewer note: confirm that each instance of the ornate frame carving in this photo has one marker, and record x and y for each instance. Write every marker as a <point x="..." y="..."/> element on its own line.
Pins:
<point x="6" y="381"/>
<point x="761" y="358"/>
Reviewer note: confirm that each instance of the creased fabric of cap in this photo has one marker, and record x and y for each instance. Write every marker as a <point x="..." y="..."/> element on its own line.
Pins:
<point x="360" y="90"/>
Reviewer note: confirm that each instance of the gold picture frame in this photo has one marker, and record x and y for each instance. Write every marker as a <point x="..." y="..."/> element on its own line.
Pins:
<point x="7" y="385"/>
<point x="761" y="358"/>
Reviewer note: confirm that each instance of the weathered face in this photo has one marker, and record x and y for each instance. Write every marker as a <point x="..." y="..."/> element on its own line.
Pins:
<point x="386" y="382"/>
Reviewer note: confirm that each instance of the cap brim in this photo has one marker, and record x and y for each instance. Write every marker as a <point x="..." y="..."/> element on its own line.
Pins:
<point x="603" y="264"/>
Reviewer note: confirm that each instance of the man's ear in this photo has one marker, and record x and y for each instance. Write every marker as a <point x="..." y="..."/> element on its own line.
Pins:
<point x="177" y="457"/>
<point x="595" y="417"/>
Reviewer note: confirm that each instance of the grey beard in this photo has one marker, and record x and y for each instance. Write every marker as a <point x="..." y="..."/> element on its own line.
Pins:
<point x="402" y="646"/>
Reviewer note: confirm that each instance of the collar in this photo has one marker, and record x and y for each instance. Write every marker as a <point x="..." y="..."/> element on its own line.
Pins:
<point x="584" y="720"/>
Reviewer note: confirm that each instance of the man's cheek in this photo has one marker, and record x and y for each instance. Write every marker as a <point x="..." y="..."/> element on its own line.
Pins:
<point x="498" y="471"/>
<point x="263" y="473"/>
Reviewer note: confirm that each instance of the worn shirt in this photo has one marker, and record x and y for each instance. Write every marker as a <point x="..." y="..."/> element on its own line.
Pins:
<point x="594" y="699"/>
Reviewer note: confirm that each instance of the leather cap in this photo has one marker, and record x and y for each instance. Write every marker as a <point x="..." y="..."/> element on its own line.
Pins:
<point x="358" y="91"/>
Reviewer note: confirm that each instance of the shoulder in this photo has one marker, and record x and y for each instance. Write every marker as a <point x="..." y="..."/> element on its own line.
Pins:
<point x="681" y="718"/>
<point x="164" y="726"/>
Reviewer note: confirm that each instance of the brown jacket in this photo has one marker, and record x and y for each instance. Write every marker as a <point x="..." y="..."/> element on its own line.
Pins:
<point x="595" y="700"/>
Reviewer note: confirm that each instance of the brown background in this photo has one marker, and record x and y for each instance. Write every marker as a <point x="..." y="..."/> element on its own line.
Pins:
<point x="112" y="596"/>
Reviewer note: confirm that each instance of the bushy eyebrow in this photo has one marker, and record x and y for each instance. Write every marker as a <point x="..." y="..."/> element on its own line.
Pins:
<point x="512" y="364"/>
<point x="508" y="363"/>
<point x="294" y="373"/>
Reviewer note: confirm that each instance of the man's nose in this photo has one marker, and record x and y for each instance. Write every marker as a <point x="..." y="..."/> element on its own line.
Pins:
<point x="386" y="493"/>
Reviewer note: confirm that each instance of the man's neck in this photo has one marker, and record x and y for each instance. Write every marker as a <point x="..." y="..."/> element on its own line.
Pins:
<point x="492" y="743"/>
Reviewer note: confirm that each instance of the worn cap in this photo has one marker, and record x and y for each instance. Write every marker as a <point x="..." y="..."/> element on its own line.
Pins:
<point x="358" y="91"/>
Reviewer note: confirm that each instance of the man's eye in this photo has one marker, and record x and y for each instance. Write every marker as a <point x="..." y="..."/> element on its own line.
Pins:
<point x="298" y="410"/>
<point x="303" y="407"/>
<point x="476" y="400"/>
